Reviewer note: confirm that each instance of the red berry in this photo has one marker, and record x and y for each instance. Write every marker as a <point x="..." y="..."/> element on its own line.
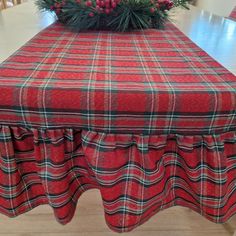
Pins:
<point x="152" y="9"/>
<point x="170" y="5"/>
<point x="113" y="5"/>
<point x="89" y="3"/>
<point x="107" y="11"/>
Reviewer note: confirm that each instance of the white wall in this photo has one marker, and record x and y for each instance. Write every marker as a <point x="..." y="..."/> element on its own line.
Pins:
<point x="219" y="7"/>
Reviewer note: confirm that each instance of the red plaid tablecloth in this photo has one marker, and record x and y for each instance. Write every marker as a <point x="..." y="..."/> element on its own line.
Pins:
<point x="146" y="117"/>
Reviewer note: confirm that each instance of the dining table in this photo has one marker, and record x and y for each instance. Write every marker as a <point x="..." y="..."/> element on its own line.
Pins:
<point x="147" y="117"/>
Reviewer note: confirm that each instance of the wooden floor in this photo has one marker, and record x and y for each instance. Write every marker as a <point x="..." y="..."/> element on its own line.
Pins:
<point x="89" y="221"/>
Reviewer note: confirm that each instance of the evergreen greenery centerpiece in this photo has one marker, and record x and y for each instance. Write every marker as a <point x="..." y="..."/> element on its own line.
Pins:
<point x="117" y="15"/>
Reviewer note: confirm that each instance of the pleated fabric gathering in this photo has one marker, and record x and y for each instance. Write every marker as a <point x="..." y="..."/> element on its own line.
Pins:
<point x="137" y="175"/>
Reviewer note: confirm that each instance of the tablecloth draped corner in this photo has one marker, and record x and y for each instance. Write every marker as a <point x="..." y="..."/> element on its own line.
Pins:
<point x="137" y="175"/>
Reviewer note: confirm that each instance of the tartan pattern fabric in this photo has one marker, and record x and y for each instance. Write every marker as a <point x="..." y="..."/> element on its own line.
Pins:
<point x="137" y="175"/>
<point x="146" y="117"/>
<point x="150" y="82"/>
<point x="232" y="15"/>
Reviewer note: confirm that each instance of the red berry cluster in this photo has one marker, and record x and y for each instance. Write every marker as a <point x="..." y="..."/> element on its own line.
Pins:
<point x="57" y="6"/>
<point x="100" y="6"/>
<point x="106" y="6"/>
<point x="161" y="5"/>
<point x="165" y="4"/>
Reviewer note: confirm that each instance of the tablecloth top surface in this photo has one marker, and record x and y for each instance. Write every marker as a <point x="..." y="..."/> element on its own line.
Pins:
<point x="151" y="81"/>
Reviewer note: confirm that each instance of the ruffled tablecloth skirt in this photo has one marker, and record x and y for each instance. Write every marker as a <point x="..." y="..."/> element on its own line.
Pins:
<point x="137" y="175"/>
